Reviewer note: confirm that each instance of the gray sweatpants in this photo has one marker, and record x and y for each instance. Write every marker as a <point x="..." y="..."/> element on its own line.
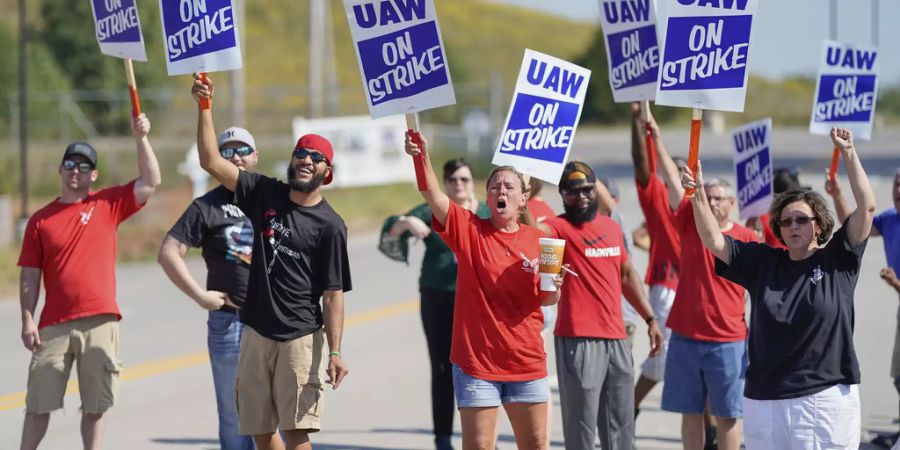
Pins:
<point x="596" y="390"/>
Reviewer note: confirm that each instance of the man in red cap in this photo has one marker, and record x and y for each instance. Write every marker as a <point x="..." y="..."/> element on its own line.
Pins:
<point x="299" y="256"/>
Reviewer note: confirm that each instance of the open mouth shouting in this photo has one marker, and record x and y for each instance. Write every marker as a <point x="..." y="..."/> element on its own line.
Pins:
<point x="501" y="205"/>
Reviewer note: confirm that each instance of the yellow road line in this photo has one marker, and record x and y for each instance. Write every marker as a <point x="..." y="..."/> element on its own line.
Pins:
<point x="16" y="400"/>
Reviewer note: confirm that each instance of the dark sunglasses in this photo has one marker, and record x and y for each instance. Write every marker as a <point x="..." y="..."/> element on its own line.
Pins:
<point x="458" y="179"/>
<point x="801" y="220"/>
<point x="316" y="157"/>
<point x="574" y="193"/>
<point x="242" y="151"/>
<point x="83" y="167"/>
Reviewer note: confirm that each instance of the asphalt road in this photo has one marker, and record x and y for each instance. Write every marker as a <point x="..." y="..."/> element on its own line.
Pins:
<point x="167" y="401"/>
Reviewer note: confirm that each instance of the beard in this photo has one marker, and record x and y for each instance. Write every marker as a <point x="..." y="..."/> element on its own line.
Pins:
<point x="579" y="216"/>
<point x="304" y="186"/>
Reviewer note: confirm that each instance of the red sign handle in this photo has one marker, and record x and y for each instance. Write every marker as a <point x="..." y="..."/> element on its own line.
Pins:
<point x="694" y="149"/>
<point x="205" y="102"/>
<point x="835" y="159"/>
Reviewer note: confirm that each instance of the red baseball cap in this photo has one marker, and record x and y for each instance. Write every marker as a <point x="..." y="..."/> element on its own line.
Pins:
<point x="321" y="145"/>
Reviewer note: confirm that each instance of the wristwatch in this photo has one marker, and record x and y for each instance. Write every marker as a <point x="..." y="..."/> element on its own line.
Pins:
<point x="651" y="318"/>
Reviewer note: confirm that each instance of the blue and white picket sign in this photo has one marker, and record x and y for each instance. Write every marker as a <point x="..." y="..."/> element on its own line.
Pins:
<point x="753" y="167"/>
<point x="545" y="110"/>
<point x="629" y="27"/>
<point x="846" y="89"/>
<point x="118" y="29"/>
<point x="401" y="55"/>
<point x="706" y="53"/>
<point x="200" y="36"/>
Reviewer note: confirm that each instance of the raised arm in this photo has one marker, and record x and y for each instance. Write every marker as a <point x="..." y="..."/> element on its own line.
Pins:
<point x="707" y="226"/>
<point x="667" y="167"/>
<point x="210" y="160"/>
<point x="29" y="291"/>
<point x="148" y="167"/>
<point x="436" y="199"/>
<point x="638" y="148"/>
<point x="859" y="222"/>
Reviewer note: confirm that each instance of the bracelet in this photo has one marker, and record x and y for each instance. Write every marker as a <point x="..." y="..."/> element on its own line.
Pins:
<point x="338" y="354"/>
<point x="651" y="319"/>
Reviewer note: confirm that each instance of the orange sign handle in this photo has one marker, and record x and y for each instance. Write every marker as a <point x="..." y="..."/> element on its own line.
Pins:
<point x="205" y="102"/>
<point x="412" y="122"/>
<point x="694" y="149"/>
<point x="132" y="89"/>
<point x="649" y="143"/>
<point x="835" y="159"/>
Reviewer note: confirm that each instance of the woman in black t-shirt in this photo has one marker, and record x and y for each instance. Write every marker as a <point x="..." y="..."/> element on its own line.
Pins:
<point x="800" y="389"/>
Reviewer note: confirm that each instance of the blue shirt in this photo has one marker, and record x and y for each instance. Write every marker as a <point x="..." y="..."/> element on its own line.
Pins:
<point x="888" y="224"/>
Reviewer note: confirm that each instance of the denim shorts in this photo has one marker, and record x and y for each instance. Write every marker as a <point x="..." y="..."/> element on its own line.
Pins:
<point x="696" y="370"/>
<point x="474" y="392"/>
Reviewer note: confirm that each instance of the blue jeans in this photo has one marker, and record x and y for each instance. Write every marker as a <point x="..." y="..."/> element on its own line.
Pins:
<point x="224" y="343"/>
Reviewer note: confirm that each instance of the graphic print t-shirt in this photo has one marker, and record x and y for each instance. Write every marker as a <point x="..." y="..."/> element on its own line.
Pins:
<point x="215" y="224"/>
<point x="298" y="253"/>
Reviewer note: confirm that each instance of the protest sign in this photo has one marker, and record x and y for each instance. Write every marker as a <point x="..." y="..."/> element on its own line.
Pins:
<point x="118" y="29"/>
<point x="753" y="167"/>
<point x="706" y="50"/>
<point x="401" y="55"/>
<point x="629" y="27"/>
<point x="200" y="36"/>
<point x="846" y="89"/>
<point x="545" y="110"/>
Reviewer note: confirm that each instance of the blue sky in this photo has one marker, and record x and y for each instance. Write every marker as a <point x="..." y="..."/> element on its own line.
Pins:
<point x="788" y="34"/>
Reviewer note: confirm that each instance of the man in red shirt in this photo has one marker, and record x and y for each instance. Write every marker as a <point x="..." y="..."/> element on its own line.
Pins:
<point x="71" y="244"/>
<point x="707" y="351"/>
<point x="593" y="358"/>
<point x="665" y="242"/>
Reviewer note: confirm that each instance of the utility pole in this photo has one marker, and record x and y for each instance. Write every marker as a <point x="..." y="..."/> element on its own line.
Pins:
<point x="316" y="56"/>
<point x="23" y="111"/>
<point x="833" y="31"/>
<point x="875" y="22"/>
<point x="236" y="77"/>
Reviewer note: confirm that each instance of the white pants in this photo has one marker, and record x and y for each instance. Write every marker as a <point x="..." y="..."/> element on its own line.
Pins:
<point x="661" y="299"/>
<point x="828" y="420"/>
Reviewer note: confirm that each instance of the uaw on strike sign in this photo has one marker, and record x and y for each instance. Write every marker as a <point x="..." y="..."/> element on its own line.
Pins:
<point x="846" y="89"/>
<point x="541" y="122"/>
<point x="200" y="36"/>
<point x="753" y="167"/>
<point x="705" y="54"/>
<point x="401" y="55"/>
<point x="632" y="48"/>
<point x="118" y="29"/>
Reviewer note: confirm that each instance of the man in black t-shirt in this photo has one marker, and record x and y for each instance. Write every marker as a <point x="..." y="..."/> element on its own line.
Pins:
<point x="299" y="256"/>
<point x="214" y="223"/>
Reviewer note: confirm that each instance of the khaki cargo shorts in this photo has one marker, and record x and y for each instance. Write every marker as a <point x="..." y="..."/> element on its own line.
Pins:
<point x="91" y="342"/>
<point x="279" y="384"/>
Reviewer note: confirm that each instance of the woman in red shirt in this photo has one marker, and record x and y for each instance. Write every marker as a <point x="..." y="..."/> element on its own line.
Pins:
<point x="497" y="350"/>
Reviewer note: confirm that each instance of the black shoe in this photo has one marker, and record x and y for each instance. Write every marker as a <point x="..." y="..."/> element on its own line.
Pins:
<point x="442" y="443"/>
<point x="712" y="442"/>
<point x="885" y="440"/>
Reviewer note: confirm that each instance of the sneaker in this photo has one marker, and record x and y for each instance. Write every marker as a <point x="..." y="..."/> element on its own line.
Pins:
<point x="711" y="440"/>
<point x="885" y="440"/>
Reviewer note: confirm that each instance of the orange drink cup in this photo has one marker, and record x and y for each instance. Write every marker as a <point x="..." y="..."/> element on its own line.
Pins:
<point x="551" y="261"/>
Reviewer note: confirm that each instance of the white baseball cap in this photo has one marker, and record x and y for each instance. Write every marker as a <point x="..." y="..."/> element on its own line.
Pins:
<point x="237" y="134"/>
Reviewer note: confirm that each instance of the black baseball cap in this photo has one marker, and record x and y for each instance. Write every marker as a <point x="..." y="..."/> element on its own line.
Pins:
<point x="576" y="175"/>
<point x="83" y="149"/>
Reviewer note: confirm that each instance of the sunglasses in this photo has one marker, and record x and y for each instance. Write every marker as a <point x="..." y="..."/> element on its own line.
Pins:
<point x="800" y="220"/>
<point x="83" y="167"/>
<point x="316" y="157"/>
<point x="574" y="193"/>
<point x="242" y="151"/>
<point x="458" y="179"/>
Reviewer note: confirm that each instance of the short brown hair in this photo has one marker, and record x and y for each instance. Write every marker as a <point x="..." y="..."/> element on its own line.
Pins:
<point x="525" y="187"/>
<point x="816" y="203"/>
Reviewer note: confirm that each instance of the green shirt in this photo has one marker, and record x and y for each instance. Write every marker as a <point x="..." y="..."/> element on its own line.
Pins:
<point x="439" y="264"/>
